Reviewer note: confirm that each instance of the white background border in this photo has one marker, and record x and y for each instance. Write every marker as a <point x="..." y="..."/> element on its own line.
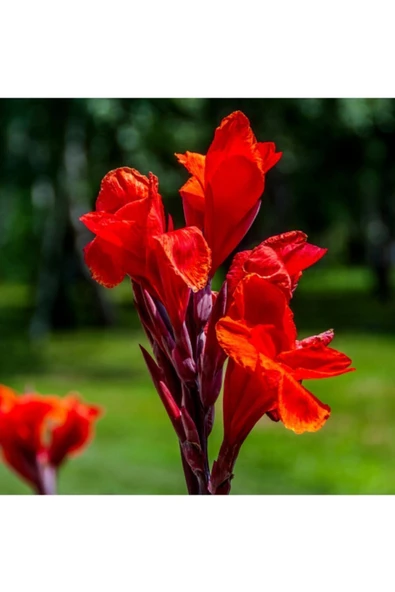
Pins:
<point x="204" y="49"/>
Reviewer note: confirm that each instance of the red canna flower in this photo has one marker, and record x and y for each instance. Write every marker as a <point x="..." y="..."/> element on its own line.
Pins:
<point x="268" y="364"/>
<point x="191" y="329"/>
<point x="279" y="259"/>
<point x="38" y="432"/>
<point x="131" y="239"/>
<point x="222" y="197"/>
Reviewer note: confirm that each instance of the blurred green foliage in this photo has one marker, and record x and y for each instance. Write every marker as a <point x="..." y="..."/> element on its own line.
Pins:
<point x="135" y="450"/>
<point x="335" y="181"/>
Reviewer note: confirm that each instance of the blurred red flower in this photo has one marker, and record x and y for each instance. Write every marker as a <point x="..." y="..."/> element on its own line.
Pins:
<point x="39" y="432"/>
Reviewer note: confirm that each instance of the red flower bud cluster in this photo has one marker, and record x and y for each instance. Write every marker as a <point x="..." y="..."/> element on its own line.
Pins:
<point x="191" y="329"/>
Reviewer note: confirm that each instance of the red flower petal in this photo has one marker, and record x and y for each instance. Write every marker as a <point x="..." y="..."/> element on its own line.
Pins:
<point x="187" y="254"/>
<point x="236" y="271"/>
<point x="195" y="164"/>
<point x="231" y="193"/>
<point x="259" y="302"/>
<point x="8" y="397"/>
<point x="226" y="185"/>
<point x="295" y="252"/>
<point x="75" y="431"/>
<point x="323" y="338"/>
<point x="269" y="155"/>
<point x="193" y="202"/>
<point x="286" y="242"/>
<point x="235" y="339"/>
<point x="234" y="183"/>
<point x="170" y="223"/>
<point x="242" y="412"/>
<point x="233" y="137"/>
<point x="180" y="261"/>
<point x="315" y="361"/>
<point x="106" y="262"/>
<point x="21" y="433"/>
<point x="299" y="409"/>
<point x="111" y="229"/>
<point x="265" y="262"/>
<point x="156" y="222"/>
<point x="119" y="187"/>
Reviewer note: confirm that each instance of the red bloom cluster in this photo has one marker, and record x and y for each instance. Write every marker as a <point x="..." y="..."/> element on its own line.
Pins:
<point x="132" y="239"/>
<point x="38" y="433"/>
<point x="191" y="329"/>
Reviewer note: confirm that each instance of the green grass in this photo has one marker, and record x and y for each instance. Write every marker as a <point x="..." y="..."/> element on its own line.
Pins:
<point x="135" y="450"/>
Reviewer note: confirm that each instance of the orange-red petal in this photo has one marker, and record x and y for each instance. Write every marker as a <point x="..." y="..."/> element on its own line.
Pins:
<point x="299" y="409"/>
<point x="180" y="261"/>
<point x="235" y="339"/>
<point x="8" y="397"/>
<point x="195" y="164"/>
<point x="193" y="202"/>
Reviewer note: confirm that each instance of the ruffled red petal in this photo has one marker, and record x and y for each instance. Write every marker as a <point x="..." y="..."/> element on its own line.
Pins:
<point x="180" y="261"/>
<point x="324" y="338"/>
<point x="265" y="262"/>
<point x="119" y="187"/>
<point x="296" y="254"/>
<point x="187" y="254"/>
<point x="236" y="271"/>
